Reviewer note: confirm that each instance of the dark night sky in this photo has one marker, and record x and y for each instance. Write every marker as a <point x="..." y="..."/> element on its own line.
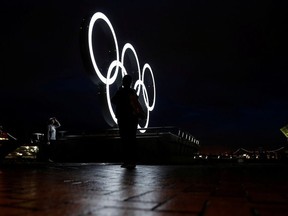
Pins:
<point x="220" y="66"/>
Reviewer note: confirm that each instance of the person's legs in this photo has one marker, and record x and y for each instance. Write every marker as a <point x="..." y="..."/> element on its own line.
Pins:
<point x="128" y="131"/>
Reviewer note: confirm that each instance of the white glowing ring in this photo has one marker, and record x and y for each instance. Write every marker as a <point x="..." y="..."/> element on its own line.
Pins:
<point x="120" y="64"/>
<point x="125" y="48"/>
<point x="138" y="84"/>
<point x="147" y="66"/>
<point x="145" y="95"/>
<point x="117" y="64"/>
<point x="94" y="18"/>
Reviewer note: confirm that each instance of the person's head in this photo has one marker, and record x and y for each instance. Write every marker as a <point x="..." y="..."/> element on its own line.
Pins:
<point x="127" y="81"/>
<point x="51" y="120"/>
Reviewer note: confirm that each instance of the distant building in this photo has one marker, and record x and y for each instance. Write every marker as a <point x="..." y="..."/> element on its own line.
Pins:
<point x="261" y="153"/>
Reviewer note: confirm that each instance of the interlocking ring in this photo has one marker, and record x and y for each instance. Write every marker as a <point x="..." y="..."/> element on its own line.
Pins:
<point x="117" y="64"/>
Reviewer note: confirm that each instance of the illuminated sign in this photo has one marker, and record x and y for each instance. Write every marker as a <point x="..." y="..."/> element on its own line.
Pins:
<point x="117" y="65"/>
<point x="284" y="130"/>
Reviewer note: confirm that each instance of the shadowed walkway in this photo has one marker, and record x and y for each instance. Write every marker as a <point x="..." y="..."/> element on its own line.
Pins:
<point x="98" y="189"/>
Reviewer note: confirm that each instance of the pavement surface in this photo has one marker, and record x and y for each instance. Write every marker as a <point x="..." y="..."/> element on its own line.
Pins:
<point x="258" y="189"/>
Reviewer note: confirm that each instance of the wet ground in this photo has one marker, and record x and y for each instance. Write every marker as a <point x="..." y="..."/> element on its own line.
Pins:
<point x="150" y="190"/>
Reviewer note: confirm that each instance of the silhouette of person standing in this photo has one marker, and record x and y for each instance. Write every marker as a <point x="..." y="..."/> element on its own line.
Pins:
<point x="128" y="112"/>
<point x="53" y="124"/>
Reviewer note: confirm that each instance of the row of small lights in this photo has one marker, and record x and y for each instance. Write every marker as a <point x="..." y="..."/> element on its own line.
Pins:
<point x="188" y="137"/>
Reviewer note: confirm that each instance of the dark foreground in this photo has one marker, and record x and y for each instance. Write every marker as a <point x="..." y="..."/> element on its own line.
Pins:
<point x="99" y="189"/>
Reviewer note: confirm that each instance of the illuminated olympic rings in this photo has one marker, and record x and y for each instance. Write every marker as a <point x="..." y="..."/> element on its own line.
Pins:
<point x="139" y="85"/>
